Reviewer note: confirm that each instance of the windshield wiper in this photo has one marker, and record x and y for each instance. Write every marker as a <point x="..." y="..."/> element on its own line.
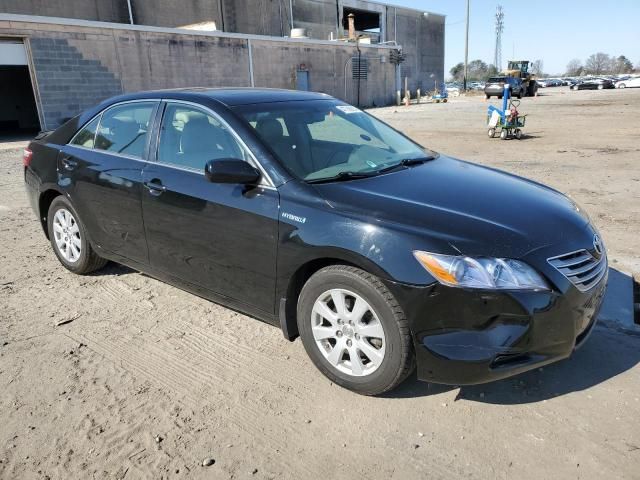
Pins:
<point x="342" y="176"/>
<point x="406" y="162"/>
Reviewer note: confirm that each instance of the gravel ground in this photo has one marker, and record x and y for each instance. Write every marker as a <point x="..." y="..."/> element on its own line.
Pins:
<point x="117" y="375"/>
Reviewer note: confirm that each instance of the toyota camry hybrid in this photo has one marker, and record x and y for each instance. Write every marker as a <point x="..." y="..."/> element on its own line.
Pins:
<point x="312" y="215"/>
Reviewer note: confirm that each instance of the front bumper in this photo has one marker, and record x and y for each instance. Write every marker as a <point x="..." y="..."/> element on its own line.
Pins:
<point x="465" y="337"/>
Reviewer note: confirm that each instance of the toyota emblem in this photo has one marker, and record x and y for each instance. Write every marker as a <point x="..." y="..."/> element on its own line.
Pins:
<point x="597" y="244"/>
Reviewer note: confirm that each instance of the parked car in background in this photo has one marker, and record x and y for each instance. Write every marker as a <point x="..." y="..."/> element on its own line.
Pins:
<point x="549" y="82"/>
<point x="495" y="87"/>
<point x="628" y="83"/>
<point x="453" y="89"/>
<point x="593" y="84"/>
<point x="314" y="216"/>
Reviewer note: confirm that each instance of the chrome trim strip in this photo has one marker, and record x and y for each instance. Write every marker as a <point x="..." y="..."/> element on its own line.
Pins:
<point x="99" y="115"/>
<point x="108" y="152"/>
<point x="269" y="186"/>
<point x="572" y="272"/>
<point x="595" y="269"/>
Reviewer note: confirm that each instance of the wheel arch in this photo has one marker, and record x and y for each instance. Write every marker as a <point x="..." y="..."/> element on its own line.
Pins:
<point x="288" y="298"/>
<point x="44" y="202"/>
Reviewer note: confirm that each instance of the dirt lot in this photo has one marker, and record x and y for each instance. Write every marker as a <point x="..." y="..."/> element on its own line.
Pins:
<point x="117" y="375"/>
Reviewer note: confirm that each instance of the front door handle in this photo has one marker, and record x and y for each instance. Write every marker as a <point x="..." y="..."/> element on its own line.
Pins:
<point x="155" y="187"/>
<point x="68" y="163"/>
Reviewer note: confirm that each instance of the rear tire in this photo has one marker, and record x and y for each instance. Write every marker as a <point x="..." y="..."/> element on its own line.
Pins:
<point x="333" y="331"/>
<point x="487" y="97"/>
<point x="504" y="134"/>
<point x="68" y="238"/>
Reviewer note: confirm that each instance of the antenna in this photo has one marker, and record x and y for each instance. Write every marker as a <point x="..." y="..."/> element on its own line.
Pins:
<point x="497" y="58"/>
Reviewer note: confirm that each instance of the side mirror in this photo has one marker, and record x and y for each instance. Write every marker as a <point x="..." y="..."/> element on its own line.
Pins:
<point x="231" y="170"/>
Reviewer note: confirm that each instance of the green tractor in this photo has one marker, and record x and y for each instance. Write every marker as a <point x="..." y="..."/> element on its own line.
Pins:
<point x="520" y="69"/>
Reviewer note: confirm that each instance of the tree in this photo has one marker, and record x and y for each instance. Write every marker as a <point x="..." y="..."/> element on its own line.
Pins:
<point x="492" y="71"/>
<point x="597" y="64"/>
<point x="457" y="72"/>
<point x="622" y="65"/>
<point x="574" y="68"/>
<point x="537" y="68"/>
<point x="476" y="70"/>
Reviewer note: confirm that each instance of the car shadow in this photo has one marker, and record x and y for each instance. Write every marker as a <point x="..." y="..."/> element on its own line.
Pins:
<point x="612" y="349"/>
<point x="112" y="269"/>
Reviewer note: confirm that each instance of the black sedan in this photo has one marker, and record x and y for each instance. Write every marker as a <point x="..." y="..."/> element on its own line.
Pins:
<point x="309" y="214"/>
<point x="593" y="84"/>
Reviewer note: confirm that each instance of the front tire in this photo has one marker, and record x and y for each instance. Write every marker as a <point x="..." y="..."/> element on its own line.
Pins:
<point x="354" y="331"/>
<point x="68" y="238"/>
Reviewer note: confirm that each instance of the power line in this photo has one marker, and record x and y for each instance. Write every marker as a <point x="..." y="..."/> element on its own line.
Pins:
<point x="497" y="57"/>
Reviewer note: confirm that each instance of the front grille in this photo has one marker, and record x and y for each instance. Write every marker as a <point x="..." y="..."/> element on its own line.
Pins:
<point x="581" y="268"/>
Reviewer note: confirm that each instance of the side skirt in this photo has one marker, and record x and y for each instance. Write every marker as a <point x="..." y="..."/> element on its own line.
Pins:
<point x="202" y="292"/>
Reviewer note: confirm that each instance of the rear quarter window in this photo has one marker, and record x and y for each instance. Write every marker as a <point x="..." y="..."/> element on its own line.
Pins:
<point x="87" y="134"/>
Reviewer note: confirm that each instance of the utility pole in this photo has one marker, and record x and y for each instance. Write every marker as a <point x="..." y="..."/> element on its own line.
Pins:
<point x="497" y="56"/>
<point x="466" y="51"/>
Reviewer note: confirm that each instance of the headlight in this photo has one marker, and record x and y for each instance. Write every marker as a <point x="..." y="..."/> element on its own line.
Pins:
<point x="481" y="272"/>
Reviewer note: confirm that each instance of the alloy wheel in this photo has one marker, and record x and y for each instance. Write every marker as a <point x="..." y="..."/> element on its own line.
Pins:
<point x="66" y="234"/>
<point x="348" y="332"/>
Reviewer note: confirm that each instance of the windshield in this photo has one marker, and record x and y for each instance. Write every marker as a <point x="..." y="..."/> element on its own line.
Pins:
<point x="496" y="80"/>
<point x="326" y="139"/>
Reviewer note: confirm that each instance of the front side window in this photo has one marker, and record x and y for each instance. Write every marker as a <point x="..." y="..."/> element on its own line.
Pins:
<point x="124" y="129"/>
<point x="190" y="137"/>
<point x="327" y="138"/>
<point x="86" y="136"/>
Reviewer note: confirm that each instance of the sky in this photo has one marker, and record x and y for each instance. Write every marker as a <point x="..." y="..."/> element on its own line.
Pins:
<point x="554" y="31"/>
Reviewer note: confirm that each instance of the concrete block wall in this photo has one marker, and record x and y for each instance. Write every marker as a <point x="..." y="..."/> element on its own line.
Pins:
<point x="78" y="66"/>
<point x="277" y="64"/>
<point x="68" y="82"/>
<point x="422" y="39"/>
<point x="421" y="35"/>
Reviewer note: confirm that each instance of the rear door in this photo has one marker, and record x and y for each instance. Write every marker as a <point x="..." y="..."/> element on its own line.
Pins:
<point x="101" y="169"/>
<point x="222" y="237"/>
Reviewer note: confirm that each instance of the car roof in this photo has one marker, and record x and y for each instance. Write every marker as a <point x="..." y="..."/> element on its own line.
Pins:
<point x="227" y="96"/>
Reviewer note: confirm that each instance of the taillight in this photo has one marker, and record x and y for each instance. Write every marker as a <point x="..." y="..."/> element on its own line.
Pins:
<point x="27" y="155"/>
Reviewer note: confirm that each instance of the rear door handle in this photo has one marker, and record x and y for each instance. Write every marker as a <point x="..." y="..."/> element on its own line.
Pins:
<point x="155" y="187"/>
<point x="68" y="163"/>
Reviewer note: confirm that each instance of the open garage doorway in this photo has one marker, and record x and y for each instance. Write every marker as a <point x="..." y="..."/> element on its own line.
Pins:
<point x="18" y="112"/>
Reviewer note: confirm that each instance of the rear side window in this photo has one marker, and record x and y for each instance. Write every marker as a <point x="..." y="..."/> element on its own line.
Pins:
<point x="86" y="136"/>
<point x="125" y="128"/>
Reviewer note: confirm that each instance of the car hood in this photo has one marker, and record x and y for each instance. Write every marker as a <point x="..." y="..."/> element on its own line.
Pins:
<point x="458" y="207"/>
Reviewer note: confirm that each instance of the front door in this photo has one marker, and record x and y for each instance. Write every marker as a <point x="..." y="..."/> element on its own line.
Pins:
<point x="221" y="237"/>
